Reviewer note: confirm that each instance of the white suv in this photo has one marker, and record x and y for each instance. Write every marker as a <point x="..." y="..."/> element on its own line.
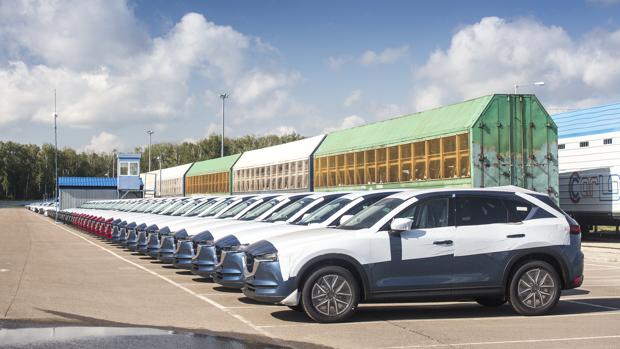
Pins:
<point x="488" y="245"/>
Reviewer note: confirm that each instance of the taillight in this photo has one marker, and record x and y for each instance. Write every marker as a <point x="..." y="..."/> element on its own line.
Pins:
<point x="575" y="229"/>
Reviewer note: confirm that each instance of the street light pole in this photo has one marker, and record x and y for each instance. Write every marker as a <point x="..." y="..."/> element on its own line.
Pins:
<point x="223" y="96"/>
<point x="150" y="132"/>
<point x="56" y="191"/>
<point x="537" y="83"/>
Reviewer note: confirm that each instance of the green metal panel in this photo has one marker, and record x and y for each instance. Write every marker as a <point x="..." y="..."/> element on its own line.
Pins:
<point x="440" y="183"/>
<point x="441" y="121"/>
<point x="223" y="164"/>
<point x="515" y="142"/>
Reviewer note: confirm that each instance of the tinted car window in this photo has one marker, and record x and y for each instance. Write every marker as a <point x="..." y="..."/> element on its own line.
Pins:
<point x="473" y="210"/>
<point x="518" y="210"/>
<point x="371" y="215"/>
<point x="431" y="213"/>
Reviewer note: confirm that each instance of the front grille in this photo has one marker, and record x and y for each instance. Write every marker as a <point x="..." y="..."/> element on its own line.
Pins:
<point x="249" y="262"/>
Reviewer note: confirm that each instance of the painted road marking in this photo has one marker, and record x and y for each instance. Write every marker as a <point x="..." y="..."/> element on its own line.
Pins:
<point x="523" y="341"/>
<point x="203" y="298"/>
<point x="592" y="305"/>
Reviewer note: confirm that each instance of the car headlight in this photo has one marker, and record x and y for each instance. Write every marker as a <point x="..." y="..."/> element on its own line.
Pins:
<point x="267" y="257"/>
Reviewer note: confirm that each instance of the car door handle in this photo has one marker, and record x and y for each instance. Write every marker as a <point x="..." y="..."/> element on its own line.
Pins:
<point x="514" y="236"/>
<point x="442" y="242"/>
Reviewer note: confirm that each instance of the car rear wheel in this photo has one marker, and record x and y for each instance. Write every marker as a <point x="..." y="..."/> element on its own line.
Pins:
<point x="535" y="288"/>
<point x="330" y="294"/>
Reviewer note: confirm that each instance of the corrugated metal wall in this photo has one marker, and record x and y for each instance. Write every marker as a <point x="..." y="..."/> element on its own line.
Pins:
<point x="70" y="198"/>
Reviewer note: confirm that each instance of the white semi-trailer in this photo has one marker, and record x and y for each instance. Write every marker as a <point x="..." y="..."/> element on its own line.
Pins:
<point x="589" y="165"/>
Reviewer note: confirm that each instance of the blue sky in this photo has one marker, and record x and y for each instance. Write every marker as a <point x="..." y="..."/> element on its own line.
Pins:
<point x="309" y="67"/>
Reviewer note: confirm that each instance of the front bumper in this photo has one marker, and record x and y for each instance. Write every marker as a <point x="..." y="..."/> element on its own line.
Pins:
<point x="231" y="269"/>
<point x="264" y="283"/>
<point x="205" y="261"/>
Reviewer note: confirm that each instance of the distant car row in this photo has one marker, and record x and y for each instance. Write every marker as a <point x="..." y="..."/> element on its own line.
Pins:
<point x="324" y="253"/>
<point x="44" y="208"/>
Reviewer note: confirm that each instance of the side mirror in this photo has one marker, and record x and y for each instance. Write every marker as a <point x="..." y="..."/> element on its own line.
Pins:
<point x="345" y="218"/>
<point x="401" y="224"/>
<point x="306" y="215"/>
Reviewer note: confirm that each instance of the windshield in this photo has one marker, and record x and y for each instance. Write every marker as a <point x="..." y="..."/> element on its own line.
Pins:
<point x="324" y="212"/>
<point x="371" y="215"/>
<point x="290" y="210"/>
<point x="259" y="210"/>
<point x="186" y="209"/>
<point x="200" y="208"/>
<point x="161" y="208"/>
<point x="217" y="208"/>
<point x="172" y="207"/>
<point x="237" y="208"/>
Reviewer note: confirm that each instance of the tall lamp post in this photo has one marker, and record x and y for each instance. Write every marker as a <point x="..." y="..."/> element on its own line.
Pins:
<point x="150" y="133"/>
<point x="223" y="96"/>
<point x="56" y="191"/>
<point x="537" y="83"/>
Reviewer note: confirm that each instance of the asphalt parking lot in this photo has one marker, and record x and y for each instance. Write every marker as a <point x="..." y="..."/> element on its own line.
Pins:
<point x="54" y="273"/>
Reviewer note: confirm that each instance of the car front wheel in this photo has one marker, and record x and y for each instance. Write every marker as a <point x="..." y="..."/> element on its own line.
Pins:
<point x="330" y="294"/>
<point x="534" y="288"/>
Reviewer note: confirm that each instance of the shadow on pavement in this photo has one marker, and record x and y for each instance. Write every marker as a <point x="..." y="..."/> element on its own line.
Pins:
<point x="421" y="311"/>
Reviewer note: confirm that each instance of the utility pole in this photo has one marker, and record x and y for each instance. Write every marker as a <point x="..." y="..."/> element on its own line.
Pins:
<point x="150" y="133"/>
<point x="56" y="191"/>
<point x="223" y="96"/>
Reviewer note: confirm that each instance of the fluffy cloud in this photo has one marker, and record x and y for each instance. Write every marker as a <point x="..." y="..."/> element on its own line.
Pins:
<point x="109" y="72"/>
<point x="389" y="55"/>
<point x="492" y="55"/>
<point x="348" y="122"/>
<point x="335" y="62"/>
<point x="104" y="142"/>
<point x="353" y="98"/>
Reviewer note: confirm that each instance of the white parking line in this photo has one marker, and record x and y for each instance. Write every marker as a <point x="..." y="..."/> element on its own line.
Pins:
<point x="201" y="297"/>
<point x="523" y="341"/>
<point x="592" y="305"/>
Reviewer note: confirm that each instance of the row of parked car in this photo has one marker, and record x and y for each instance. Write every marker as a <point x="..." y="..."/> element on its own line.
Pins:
<point x="324" y="253"/>
<point x="44" y="207"/>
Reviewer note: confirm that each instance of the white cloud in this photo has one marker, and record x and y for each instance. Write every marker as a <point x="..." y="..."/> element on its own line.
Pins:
<point x="109" y="72"/>
<point x="104" y="142"/>
<point x="335" y="62"/>
<point x="348" y="122"/>
<point x="491" y="55"/>
<point x="353" y="98"/>
<point x="282" y="130"/>
<point x="389" y="55"/>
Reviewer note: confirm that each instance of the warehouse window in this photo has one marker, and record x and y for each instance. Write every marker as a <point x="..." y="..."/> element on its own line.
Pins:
<point x="445" y="157"/>
<point x="207" y="183"/>
<point x="288" y="175"/>
<point x="607" y="141"/>
<point x="584" y="144"/>
<point x="561" y="146"/>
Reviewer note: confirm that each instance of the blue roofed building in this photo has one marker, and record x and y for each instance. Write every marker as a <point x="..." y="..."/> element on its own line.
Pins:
<point x="74" y="191"/>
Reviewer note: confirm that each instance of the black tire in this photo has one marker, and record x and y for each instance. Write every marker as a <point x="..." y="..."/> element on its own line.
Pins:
<point x="491" y="302"/>
<point x="545" y="288"/>
<point x="344" y="306"/>
<point x="298" y="308"/>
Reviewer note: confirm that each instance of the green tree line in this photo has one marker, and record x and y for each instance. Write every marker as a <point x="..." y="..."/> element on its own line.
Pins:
<point x="27" y="170"/>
